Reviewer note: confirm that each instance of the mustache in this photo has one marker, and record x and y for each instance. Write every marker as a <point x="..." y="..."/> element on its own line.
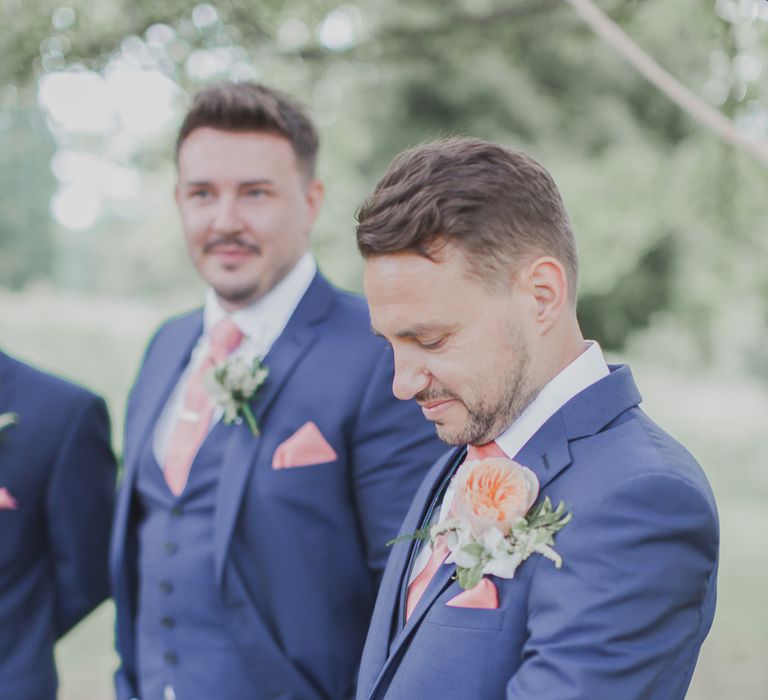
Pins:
<point x="231" y="242"/>
<point x="435" y="394"/>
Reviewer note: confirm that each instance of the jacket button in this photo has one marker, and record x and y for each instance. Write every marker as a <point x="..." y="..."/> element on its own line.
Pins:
<point x="176" y="512"/>
<point x="170" y="658"/>
<point x="166" y="586"/>
<point x="168" y="622"/>
<point x="171" y="548"/>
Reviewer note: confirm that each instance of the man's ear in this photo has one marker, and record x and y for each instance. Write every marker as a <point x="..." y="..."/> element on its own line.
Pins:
<point x="315" y="194"/>
<point x="549" y="286"/>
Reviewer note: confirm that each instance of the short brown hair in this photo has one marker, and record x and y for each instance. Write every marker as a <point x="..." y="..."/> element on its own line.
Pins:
<point x="246" y="106"/>
<point x="497" y="205"/>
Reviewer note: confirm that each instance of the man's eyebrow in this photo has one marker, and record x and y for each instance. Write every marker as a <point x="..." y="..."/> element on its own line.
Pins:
<point x="416" y="331"/>
<point x="243" y="183"/>
<point x="258" y="181"/>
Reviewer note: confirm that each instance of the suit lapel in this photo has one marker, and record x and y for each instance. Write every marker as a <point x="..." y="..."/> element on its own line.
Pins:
<point x="385" y="622"/>
<point x="168" y="360"/>
<point x="590" y="411"/>
<point x="299" y="335"/>
<point x="389" y="655"/>
<point x="547" y="454"/>
<point x="427" y="513"/>
<point x="165" y="364"/>
<point x="436" y="586"/>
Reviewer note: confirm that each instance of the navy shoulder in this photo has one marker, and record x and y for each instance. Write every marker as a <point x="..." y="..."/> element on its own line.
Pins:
<point x="352" y="318"/>
<point x="33" y="382"/>
<point x="669" y="456"/>
<point x="187" y="323"/>
<point x="179" y="321"/>
<point x="634" y="446"/>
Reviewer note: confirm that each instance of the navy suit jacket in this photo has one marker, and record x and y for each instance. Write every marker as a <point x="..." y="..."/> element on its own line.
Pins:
<point x="57" y="466"/>
<point x="623" y="618"/>
<point x="298" y="551"/>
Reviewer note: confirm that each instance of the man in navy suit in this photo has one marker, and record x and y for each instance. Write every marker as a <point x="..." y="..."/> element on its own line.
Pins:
<point x="246" y="554"/>
<point x="471" y="272"/>
<point x="57" y="493"/>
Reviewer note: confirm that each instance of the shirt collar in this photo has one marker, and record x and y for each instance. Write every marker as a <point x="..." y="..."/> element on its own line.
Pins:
<point x="585" y="370"/>
<point x="265" y="319"/>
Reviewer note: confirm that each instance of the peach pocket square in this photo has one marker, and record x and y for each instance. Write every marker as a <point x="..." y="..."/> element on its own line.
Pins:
<point x="306" y="446"/>
<point x="484" y="596"/>
<point x="7" y="502"/>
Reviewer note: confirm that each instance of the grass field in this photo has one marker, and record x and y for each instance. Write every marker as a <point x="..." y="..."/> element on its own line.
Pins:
<point x="719" y="417"/>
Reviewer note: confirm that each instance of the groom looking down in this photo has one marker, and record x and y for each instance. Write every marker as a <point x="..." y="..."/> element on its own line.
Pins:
<point x="471" y="275"/>
<point x="266" y="461"/>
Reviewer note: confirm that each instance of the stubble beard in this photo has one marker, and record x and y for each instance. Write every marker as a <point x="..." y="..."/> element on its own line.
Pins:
<point x="235" y="293"/>
<point x="242" y="295"/>
<point x="488" y="418"/>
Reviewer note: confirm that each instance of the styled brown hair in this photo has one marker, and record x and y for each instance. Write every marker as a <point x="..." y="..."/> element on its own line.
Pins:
<point x="246" y="106"/>
<point x="498" y="206"/>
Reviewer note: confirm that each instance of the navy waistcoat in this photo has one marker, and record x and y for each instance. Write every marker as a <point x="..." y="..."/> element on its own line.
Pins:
<point x="184" y="650"/>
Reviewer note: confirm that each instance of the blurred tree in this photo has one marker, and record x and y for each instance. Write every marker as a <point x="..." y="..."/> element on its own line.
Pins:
<point x="665" y="215"/>
<point x="26" y="186"/>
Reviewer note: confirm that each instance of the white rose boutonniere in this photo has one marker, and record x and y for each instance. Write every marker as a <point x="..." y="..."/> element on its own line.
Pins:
<point x="7" y="420"/>
<point x="233" y="383"/>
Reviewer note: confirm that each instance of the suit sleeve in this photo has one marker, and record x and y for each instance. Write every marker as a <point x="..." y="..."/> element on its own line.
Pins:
<point x="625" y="614"/>
<point x="80" y="504"/>
<point x="394" y="447"/>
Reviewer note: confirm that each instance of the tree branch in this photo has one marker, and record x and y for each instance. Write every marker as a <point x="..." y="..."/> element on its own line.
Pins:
<point x="689" y="102"/>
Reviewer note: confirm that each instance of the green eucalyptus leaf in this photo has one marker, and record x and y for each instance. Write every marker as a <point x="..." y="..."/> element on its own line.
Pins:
<point x="469" y="578"/>
<point x="475" y="549"/>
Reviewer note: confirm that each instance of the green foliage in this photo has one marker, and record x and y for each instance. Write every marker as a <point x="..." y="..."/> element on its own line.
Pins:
<point x="543" y="515"/>
<point x="469" y="577"/>
<point x="26" y="186"/>
<point x="611" y="316"/>
<point x="422" y="535"/>
<point x="668" y="220"/>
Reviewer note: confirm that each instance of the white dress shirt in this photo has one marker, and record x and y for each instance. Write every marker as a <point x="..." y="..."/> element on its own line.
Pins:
<point x="585" y="370"/>
<point x="261" y="324"/>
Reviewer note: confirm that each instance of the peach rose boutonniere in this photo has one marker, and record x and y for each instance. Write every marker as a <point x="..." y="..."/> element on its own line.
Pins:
<point x="493" y="525"/>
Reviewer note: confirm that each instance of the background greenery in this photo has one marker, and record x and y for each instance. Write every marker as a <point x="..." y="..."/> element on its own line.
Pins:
<point x="670" y="222"/>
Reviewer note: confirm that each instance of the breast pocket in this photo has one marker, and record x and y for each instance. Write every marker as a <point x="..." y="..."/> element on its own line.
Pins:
<point x="460" y="647"/>
<point x="288" y="480"/>
<point x="466" y="618"/>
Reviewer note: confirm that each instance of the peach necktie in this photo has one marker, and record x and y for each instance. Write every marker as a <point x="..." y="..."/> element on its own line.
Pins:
<point x="440" y="551"/>
<point x="490" y="449"/>
<point x="195" y="418"/>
